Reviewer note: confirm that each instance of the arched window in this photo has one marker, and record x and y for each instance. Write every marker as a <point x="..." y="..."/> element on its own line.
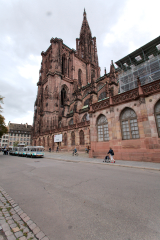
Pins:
<point x="79" y="77"/>
<point x="64" y="64"/>
<point x="72" y="138"/>
<point x="43" y="141"/>
<point x="71" y="121"/>
<point x="69" y="67"/>
<point x="81" y="137"/>
<point x="92" y="74"/>
<point x="102" y="125"/>
<point x="157" y="116"/>
<point x="129" y="124"/>
<point x="102" y="96"/>
<point x="53" y="142"/>
<point x="48" y="141"/>
<point x="100" y="86"/>
<point x="86" y="102"/>
<point x="85" y="117"/>
<point x="65" y="139"/>
<point x="63" y="96"/>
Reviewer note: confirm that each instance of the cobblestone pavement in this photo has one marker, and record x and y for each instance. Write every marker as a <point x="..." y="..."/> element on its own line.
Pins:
<point x="14" y="223"/>
<point x="84" y="157"/>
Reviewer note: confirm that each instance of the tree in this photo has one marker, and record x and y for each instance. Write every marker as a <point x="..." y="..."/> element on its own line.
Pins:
<point x="3" y="128"/>
<point x="15" y="144"/>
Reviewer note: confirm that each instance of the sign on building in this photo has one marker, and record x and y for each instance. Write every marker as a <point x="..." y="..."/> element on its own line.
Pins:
<point x="58" y="138"/>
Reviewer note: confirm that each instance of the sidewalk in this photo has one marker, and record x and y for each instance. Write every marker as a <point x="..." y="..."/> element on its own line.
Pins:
<point x="84" y="157"/>
<point x="14" y="223"/>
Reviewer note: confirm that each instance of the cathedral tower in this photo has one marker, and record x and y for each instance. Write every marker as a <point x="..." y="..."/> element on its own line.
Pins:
<point x="86" y="45"/>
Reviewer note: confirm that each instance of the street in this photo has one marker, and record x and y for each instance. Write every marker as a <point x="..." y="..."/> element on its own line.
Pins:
<point x="83" y="201"/>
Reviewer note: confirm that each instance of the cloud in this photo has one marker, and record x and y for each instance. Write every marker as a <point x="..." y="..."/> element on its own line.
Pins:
<point x="136" y="26"/>
<point x="27" y="27"/>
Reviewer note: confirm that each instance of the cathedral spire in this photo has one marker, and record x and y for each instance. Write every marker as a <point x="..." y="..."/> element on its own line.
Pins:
<point x="86" y="45"/>
<point x="85" y="29"/>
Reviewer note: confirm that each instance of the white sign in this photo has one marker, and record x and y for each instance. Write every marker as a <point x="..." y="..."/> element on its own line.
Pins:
<point x="58" y="138"/>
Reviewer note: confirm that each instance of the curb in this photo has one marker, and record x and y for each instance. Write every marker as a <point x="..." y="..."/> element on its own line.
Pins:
<point x="15" y="223"/>
<point x="110" y="164"/>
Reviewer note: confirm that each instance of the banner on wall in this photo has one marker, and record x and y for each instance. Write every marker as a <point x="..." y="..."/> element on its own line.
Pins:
<point x="58" y="138"/>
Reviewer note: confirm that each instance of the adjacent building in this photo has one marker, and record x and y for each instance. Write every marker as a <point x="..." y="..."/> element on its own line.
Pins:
<point x="121" y="109"/>
<point x="20" y="133"/>
<point x="4" y="141"/>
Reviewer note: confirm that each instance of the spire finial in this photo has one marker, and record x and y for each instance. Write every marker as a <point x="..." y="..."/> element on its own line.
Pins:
<point x="84" y="12"/>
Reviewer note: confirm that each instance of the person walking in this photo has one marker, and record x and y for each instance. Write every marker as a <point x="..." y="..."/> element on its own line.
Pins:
<point x="88" y="149"/>
<point x="111" y="153"/>
<point x="57" y="149"/>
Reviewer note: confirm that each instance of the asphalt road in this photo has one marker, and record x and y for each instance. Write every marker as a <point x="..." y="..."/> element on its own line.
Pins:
<point x="76" y="200"/>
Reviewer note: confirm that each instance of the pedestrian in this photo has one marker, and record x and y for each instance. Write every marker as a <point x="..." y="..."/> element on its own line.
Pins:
<point x="4" y="152"/>
<point x="57" y="149"/>
<point x="49" y="149"/>
<point x="111" y="153"/>
<point x="88" y="149"/>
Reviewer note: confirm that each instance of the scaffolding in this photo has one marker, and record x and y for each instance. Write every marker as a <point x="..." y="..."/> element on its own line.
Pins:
<point x="147" y="71"/>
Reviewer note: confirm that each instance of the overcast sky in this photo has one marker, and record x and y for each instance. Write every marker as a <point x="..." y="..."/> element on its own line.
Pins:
<point x="27" y="26"/>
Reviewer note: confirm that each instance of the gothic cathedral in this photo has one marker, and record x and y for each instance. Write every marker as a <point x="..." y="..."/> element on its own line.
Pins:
<point x="121" y="109"/>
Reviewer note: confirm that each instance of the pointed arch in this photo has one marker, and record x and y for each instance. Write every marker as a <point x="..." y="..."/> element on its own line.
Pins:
<point x="81" y="137"/>
<point x="48" y="141"/>
<point x="80" y="77"/>
<point x="64" y="93"/>
<point x="43" y="141"/>
<point x="64" y="63"/>
<point x="102" y="96"/>
<point x="157" y="116"/>
<point x="65" y="139"/>
<point x="72" y="138"/>
<point x="85" y="117"/>
<point x="99" y="86"/>
<point x="129" y="124"/>
<point x="86" y="102"/>
<point x="70" y="121"/>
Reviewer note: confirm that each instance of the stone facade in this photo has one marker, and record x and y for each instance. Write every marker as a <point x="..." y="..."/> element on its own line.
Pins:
<point x="73" y="100"/>
<point x="143" y="101"/>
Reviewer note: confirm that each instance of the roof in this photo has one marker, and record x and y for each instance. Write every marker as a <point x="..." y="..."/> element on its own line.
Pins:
<point x="140" y="55"/>
<point x="20" y="127"/>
